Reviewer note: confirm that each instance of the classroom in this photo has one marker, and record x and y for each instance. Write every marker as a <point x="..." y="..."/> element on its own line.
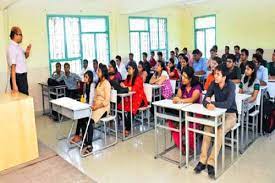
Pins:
<point x="153" y="91"/>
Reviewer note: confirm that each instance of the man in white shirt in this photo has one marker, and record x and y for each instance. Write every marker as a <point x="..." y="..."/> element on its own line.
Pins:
<point x="121" y="67"/>
<point x="16" y="58"/>
<point x="84" y="69"/>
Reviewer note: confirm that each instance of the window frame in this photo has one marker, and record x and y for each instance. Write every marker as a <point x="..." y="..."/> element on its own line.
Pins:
<point x="67" y="59"/>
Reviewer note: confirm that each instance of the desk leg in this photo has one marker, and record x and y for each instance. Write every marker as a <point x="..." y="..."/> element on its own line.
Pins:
<point x="215" y="147"/>
<point x="223" y="141"/>
<point x="180" y="136"/>
<point x="186" y="141"/>
<point x="261" y="108"/>
<point x="156" y="135"/>
<point x="43" y="102"/>
<point x="123" y="119"/>
<point x="131" y="115"/>
<point x="242" y="129"/>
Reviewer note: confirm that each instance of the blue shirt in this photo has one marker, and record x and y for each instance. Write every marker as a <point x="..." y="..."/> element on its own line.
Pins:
<point x="200" y="65"/>
<point x="70" y="80"/>
<point x="224" y="98"/>
<point x="262" y="74"/>
<point x="55" y="76"/>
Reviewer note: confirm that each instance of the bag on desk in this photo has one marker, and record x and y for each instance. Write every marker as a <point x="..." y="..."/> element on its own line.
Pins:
<point x="53" y="82"/>
<point x="116" y="85"/>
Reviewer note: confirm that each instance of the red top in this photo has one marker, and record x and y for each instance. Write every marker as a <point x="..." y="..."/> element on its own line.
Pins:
<point x="138" y="99"/>
<point x="152" y="62"/>
<point x="209" y="80"/>
<point x="176" y="74"/>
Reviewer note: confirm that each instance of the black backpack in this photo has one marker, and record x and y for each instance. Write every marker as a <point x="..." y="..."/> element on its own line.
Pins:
<point x="268" y="114"/>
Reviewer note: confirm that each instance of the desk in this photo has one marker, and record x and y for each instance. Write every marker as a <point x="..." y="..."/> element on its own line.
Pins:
<point x="219" y="119"/>
<point x="74" y="110"/>
<point x="123" y="96"/>
<point x="168" y="104"/>
<point x="47" y="91"/>
<point x="156" y="91"/>
<point x="18" y="137"/>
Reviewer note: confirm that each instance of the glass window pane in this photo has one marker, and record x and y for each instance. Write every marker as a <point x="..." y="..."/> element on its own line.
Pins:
<point x="88" y="48"/>
<point x="102" y="48"/>
<point x="162" y="33"/>
<point x="93" y="25"/>
<point x="210" y="40"/>
<point x="72" y="37"/>
<point x="135" y="43"/>
<point x="56" y="38"/>
<point x="138" y="24"/>
<point x="154" y="34"/>
<point x="205" y="22"/>
<point x="200" y="41"/>
<point x="144" y="41"/>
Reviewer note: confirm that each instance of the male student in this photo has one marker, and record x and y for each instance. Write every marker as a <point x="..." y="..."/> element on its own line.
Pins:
<point x="226" y="53"/>
<point x="131" y="59"/>
<point x="237" y="53"/>
<point x="84" y="69"/>
<point x="271" y="66"/>
<point x="152" y="61"/>
<point x="146" y="63"/>
<point x="177" y="52"/>
<point x="199" y="63"/>
<point x="121" y="67"/>
<point x="16" y="59"/>
<point x="160" y="57"/>
<point x="224" y="91"/>
<point x="243" y="59"/>
<point x="234" y="72"/>
<point x="173" y="56"/>
<point x="95" y="67"/>
<point x="58" y="73"/>
<point x="262" y="72"/>
<point x="188" y="55"/>
<point x="260" y="51"/>
<point x="71" y="80"/>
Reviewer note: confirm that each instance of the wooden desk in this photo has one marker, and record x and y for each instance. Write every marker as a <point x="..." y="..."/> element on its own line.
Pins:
<point x="17" y="130"/>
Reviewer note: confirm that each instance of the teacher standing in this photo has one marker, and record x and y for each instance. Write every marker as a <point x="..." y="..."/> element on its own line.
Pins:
<point x="16" y="58"/>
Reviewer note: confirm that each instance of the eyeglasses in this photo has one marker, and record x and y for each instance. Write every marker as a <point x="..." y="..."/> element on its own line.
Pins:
<point x="19" y="34"/>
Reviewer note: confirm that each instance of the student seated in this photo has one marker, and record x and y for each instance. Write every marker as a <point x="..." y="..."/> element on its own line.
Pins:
<point x="271" y="66"/>
<point x="113" y="72"/>
<point x="171" y="70"/>
<point x="84" y="69"/>
<point x="234" y="73"/>
<point x="152" y="60"/>
<point x="58" y="73"/>
<point x="237" y="53"/>
<point x="134" y="83"/>
<point x="146" y="64"/>
<point x="250" y="84"/>
<point x="189" y="92"/>
<point x="260" y="51"/>
<point x="101" y="105"/>
<point x="72" y="82"/>
<point x="173" y="56"/>
<point x="226" y="53"/>
<point x="121" y="67"/>
<point x="224" y="91"/>
<point x="88" y="91"/>
<point x="199" y="64"/>
<point x="183" y="63"/>
<point x="161" y="78"/>
<point x="213" y="54"/>
<point x="214" y="62"/>
<point x="244" y="60"/>
<point x="262" y="73"/>
<point x="141" y="72"/>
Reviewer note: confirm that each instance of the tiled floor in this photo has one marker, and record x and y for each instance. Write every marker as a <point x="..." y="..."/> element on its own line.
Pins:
<point x="133" y="161"/>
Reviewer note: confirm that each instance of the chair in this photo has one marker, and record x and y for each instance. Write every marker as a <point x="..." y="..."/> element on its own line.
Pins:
<point x="173" y="83"/>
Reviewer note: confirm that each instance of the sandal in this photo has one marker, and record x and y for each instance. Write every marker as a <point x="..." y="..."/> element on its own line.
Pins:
<point x="76" y="139"/>
<point x="87" y="150"/>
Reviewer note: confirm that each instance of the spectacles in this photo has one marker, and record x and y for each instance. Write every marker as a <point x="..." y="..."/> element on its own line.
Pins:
<point x="19" y="34"/>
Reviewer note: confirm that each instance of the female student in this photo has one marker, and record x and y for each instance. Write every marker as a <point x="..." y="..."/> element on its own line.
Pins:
<point x="214" y="62"/>
<point x="88" y="92"/>
<point x="171" y="70"/>
<point x="162" y="78"/>
<point x="101" y="105"/>
<point x="250" y="84"/>
<point x="262" y="72"/>
<point x="142" y="72"/>
<point x="134" y="83"/>
<point x="113" y="72"/>
<point x="189" y="92"/>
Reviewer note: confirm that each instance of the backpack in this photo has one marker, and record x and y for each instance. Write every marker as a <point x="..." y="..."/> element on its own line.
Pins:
<point x="268" y="115"/>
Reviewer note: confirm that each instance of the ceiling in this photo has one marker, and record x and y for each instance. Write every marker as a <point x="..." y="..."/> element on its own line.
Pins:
<point x="123" y="6"/>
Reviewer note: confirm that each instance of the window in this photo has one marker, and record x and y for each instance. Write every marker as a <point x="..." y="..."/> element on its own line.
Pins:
<point x="205" y="33"/>
<point x="148" y="34"/>
<point x="74" y="38"/>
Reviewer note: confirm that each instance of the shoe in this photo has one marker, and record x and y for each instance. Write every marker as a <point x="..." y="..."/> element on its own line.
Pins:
<point x="76" y="139"/>
<point x="88" y="149"/>
<point x="211" y="171"/>
<point x="200" y="167"/>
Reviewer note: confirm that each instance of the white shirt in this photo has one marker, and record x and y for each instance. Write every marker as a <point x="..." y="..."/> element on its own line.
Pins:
<point x="83" y="71"/>
<point x="16" y="55"/>
<point x="122" y="70"/>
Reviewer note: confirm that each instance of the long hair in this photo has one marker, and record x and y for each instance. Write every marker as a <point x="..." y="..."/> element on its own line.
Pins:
<point x="142" y="65"/>
<point x="191" y="75"/>
<point x="134" y="66"/>
<point x="113" y="64"/>
<point x="173" y="67"/>
<point x="104" y="70"/>
<point x="250" y="81"/>
<point x="91" y="76"/>
<point x="162" y="65"/>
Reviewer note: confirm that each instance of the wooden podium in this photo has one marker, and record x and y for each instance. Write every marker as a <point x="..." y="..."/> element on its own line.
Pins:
<point x="18" y="138"/>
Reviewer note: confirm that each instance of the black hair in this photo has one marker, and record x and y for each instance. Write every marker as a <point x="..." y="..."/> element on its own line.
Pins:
<point x="162" y="65"/>
<point x="85" y="60"/>
<point x="252" y="66"/>
<point x="58" y="64"/>
<point x="191" y="75"/>
<point x="185" y="49"/>
<point x="227" y="47"/>
<point x="232" y="57"/>
<point x="118" y="57"/>
<point x="184" y="57"/>
<point x="160" y="53"/>
<point x="222" y="68"/>
<point x="218" y="60"/>
<point x="104" y="70"/>
<point x="145" y="54"/>
<point x="91" y="76"/>
<point x="134" y="66"/>
<point x="66" y="64"/>
<point x="12" y="34"/>
<point x="142" y="65"/>
<point x="245" y="51"/>
<point x="258" y="57"/>
<point x="196" y="52"/>
<point x="95" y="61"/>
<point x="176" y="48"/>
<point x="237" y="46"/>
<point x="113" y="64"/>
<point x="215" y="47"/>
<point x="152" y="52"/>
<point x="173" y="62"/>
<point x="172" y="52"/>
<point x="260" y="50"/>
<point x="131" y="54"/>
<point x="212" y="49"/>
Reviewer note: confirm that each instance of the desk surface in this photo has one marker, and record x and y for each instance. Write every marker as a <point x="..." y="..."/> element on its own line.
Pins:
<point x="200" y="109"/>
<point x="70" y="104"/>
<point x="153" y="86"/>
<point x="12" y="97"/>
<point x="126" y="94"/>
<point x="169" y="104"/>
